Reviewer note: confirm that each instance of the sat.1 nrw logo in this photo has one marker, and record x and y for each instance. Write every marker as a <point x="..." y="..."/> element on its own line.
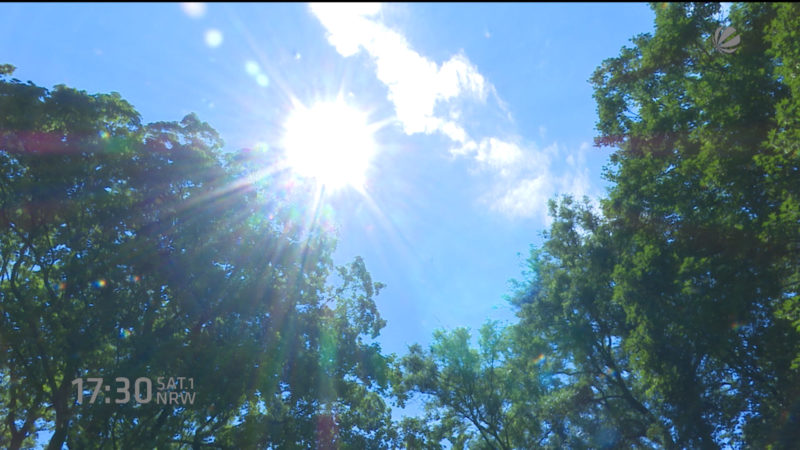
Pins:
<point x="721" y="41"/>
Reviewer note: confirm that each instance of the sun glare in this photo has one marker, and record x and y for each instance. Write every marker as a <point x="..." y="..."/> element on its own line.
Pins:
<point x="330" y="142"/>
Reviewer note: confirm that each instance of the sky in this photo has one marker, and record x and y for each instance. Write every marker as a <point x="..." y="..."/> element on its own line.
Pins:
<point x="478" y="113"/>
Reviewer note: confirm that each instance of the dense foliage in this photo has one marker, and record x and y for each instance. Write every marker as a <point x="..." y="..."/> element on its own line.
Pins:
<point x="133" y="250"/>
<point x="669" y="318"/>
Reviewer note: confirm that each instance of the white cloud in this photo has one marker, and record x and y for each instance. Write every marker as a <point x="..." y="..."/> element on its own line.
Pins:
<point x="498" y="154"/>
<point x="458" y="75"/>
<point x="523" y="198"/>
<point x="416" y="84"/>
<point x="529" y="179"/>
<point x="434" y="98"/>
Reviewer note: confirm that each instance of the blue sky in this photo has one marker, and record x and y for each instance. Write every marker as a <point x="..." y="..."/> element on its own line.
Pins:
<point x="480" y="112"/>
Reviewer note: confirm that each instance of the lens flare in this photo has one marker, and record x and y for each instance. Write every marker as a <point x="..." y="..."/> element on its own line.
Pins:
<point x="213" y="38"/>
<point x="195" y="10"/>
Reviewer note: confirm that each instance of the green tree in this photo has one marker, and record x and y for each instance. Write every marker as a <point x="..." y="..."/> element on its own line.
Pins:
<point x="568" y="317"/>
<point x="132" y="250"/>
<point x="671" y="317"/>
<point x="476" y="398"/>
<point x="704" y="214"/>
<point x="780" y="165"/>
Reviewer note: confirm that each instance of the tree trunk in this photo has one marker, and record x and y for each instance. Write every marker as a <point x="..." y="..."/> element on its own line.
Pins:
<point x="62" y="417"/>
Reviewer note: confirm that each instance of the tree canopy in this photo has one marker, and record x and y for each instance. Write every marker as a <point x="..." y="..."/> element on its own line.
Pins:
<point x="668" y="318"/>
<point x="141" y="250"/>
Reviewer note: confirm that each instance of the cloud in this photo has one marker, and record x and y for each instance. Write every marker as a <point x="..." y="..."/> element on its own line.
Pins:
<point x="498" y="153"/>
<point x="529" y="178"/>
<point x="524" y="197"/>
<point x="416" y="84"/>
<point x="502" y="157"/>
<point x="433" y="98"/>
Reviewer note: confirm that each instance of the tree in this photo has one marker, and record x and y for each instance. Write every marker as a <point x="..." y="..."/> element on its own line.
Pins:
<point x="671" y="317"/>
<point x="706" y="213"/>
<point x="780" y="165"/>
<point x="568" y="314"/>
<point x="476" y="398"/>
<point x="133" y="250"/>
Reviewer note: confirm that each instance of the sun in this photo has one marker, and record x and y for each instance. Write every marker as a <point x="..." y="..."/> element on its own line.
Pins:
<point x="331" y="142"/>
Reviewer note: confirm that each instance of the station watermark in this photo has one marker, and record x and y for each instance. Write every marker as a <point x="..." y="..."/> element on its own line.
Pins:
<point x="177" y="391"/>
<point x="724" y="41"/>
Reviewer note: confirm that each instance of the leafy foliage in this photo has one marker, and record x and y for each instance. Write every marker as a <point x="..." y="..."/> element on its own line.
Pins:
<point x="671" y="319"/>
<point x="481" y="398"/>
<point x="708" y="225"/>
<point x="134" y="250"/>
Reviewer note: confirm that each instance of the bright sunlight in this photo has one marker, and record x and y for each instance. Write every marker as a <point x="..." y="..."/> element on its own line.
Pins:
<point x="330" y="142"/>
